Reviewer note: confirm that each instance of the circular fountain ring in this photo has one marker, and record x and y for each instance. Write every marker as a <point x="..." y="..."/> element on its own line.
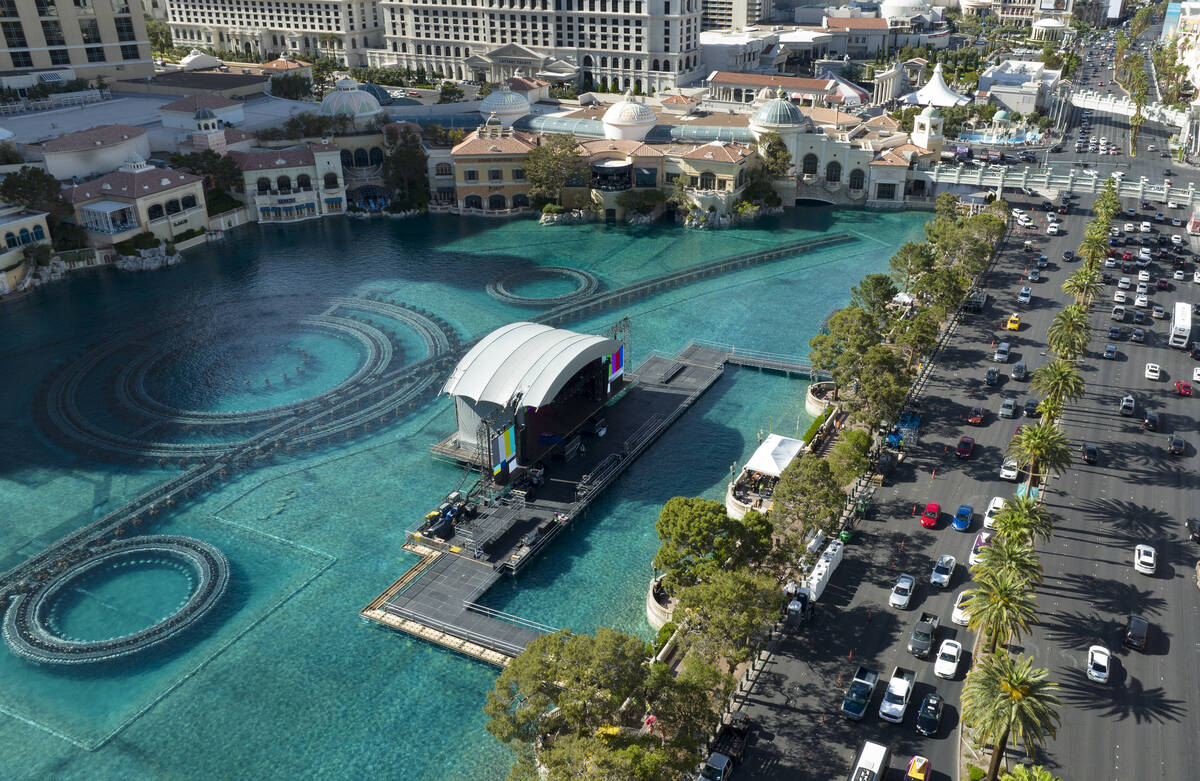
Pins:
<point x="27" y="625"/>
<point x="501" y="289"/>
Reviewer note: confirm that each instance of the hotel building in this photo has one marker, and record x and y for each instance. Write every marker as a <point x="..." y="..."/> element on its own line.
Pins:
<point x="54" y="40"/>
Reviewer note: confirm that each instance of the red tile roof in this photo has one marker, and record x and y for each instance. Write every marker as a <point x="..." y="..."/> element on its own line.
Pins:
<point x="92" y="138"/>
<point x="760" y="80"/>
<point x="855" y="23"/>
<point x="512" y="143"/>
<point x="193" y="103"/>
<point x="720" y="151"/>
<point x="269" y="159"/>
<point x="126" y="186"/>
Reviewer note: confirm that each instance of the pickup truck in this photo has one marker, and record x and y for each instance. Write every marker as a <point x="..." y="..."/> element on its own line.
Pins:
<point x="858" y="696"/>
<point x="895" y="699"/>
<point x="727" y="749"/>
<point x="923" y="635"/>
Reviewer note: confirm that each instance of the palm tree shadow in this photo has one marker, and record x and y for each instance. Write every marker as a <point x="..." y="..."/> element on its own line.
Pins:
<point x="1080" y="630"/>
<point x="1106" y="595"/>
<point x="1130" y="699"/>
<point x="1129" y="518"/>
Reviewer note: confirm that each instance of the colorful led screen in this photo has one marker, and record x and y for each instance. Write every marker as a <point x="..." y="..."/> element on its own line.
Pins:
<point x="504" y="449"/>
<point x="616" y="364"/>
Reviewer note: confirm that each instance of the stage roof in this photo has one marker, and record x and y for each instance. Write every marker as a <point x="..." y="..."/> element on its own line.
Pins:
<point x="524" y="362"/>
<point x="774" y="454"/>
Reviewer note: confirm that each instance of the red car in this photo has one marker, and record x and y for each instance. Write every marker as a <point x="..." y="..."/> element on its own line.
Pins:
<point x="929" y="518"/>
<point x="975" y="418"/>
<point x="1126" y="255"/>
<point x="1183" y="387"/>
<point x="966" y="446"/>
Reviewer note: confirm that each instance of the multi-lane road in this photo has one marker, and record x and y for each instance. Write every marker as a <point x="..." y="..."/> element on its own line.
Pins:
<point x="1139" y="725"/>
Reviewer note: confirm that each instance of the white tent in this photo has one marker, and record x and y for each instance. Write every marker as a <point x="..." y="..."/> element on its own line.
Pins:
<point x="936" y="93"/>
<point x="774" y="454"/>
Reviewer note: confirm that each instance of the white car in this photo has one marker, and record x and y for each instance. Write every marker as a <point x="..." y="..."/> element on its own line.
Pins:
<point x="1179" y="275"/>
<point x="1120" y="297"/>
<point x="1052" y="229"/>
<point x="1176" y="222"/>
<point x="1145" y="227"/>
<point x="1177" y="240"/>
<point x="1130" y="227"/>
<point x="1142" y="301"/>
<point x="1098" y="662"/>
<point x="1145" y="559"/>
<point x="1196" y="277"/>
<point x="902" y="592"/>
<point x="1143" y="276"/>
<point x="1025" y="295"/>
<point x="982" y="540"/>
<point x="1153" y="372"/>
<point x="1170" y="204"/>
<point x="1112" y="263"/>
<point x="1018" y="212"/>
<point x="949" y="655"/>
<point x="1008" y="470"/>
<point x="943" y="571"/>
<point x="1196" y="374"/>
<point x="1123" y="283"/>
<point x="994" y="507"/>
<point x="1143" y="289"/>
<point x="960" y="616"/>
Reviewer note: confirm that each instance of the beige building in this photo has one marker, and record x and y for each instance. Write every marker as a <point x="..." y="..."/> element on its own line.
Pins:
<point x="96" y="150"/>
<point x="19" y="228"/>
<point x="489" y="169"/>
<point x="288" y="185"/>
<point x="93" y="38"/>
<point x="136" y="198"/>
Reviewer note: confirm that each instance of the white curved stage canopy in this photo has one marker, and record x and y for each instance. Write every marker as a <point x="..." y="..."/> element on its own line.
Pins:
<point x="936" y="93"/>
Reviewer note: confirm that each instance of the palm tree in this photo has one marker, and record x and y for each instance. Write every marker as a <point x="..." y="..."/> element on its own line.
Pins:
<point x="1000" y="607"/>
<point x="1041" y="449"/>
<point x="1135" y="125"/>
<point x="1029" y="773"/>
<point x="1058" y="380"/>
<point x="1093" y="250"/>
<point x="1010" y="698"/>
<point x="1008" y="556"/>
<point x="1051" y="409"/>
<point x="1070" y="332"/>
<point x="1024" y="519"/>
<point x="1084" y="285"/>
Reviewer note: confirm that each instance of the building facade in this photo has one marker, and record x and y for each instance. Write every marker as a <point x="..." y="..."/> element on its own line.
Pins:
<point x="20" y="228"/>
<point x="94" y="38"/>
<point x="734" y="14"/>
<point x="489" y="169"/>
<point x="96" y="150"/>
<point x="289" y="185"/>
<point x="651" y="45"/>
<point x="341" y="29"/>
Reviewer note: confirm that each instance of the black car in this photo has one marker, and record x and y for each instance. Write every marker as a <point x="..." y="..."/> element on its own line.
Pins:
<point x="1150" y="421"/>
<point x="1145" y="206"/>
<point x="1175" y="446"/>
<point x="1137" y="632"/>
<point x="1091" y="454"/>
<point x="992" y="376"/>
<point x="1114" y="332"/>
<point x="1068" y="255"/>
<point x="1193" y="529"/>
<point x="1031" y="408"/>
<point x="1139" y="316"/>
<point x="929" y="717"/>
<point x="1196" y="352"/>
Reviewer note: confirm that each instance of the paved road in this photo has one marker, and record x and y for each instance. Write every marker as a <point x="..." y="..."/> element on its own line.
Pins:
<point x="1136" y="493"/>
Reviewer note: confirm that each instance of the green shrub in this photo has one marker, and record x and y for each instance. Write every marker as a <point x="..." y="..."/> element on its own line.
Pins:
<point x="975" y="773"/>
<point x="191" y="233"/>
<point x="553" y="208"/>
<point x="220" y="201"/>
<point x="816" y="424"/>
<point x="38" y="254"/>
<point x="663" y="636"/>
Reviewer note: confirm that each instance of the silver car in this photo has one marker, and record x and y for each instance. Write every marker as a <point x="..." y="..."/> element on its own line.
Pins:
<point x="943" y="571"/>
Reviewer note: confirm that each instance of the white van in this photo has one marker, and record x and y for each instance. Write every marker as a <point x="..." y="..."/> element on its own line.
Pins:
<point x="872" y="763"/>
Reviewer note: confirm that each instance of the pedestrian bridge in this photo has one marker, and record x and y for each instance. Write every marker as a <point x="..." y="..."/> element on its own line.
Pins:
<point x="1052" y="181"/>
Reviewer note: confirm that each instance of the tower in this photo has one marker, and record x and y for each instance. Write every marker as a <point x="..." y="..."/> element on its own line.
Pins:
<point x="209" y="134"/>
<point x="927" y="130"/>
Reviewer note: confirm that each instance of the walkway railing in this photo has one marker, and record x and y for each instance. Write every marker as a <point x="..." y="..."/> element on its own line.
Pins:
<point x="515" y="620"/>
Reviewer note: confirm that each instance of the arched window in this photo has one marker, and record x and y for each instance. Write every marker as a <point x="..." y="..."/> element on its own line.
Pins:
<point x="26" y="236"/>
<point x="857" y="179"/>
<point x="626" y="61"/>
<point x="810" y="165"/>
<point x="264" y="184"/>
<point x="361" y="159"/>
<point x="173" y="206"/>
<point x="654" y="65"/>
<point x="833" y="172"/>
<point x="497" y="202"/>
<point x="331" y="180"/>
<point x="189" y="202"/>
<point x="708" y="181"/>
<point x="473" y="202"/>
<point x="347" y="159"/>
<point x="10" y="239"/>
<point x="520" y="201"/>
<point x="587" y="61"/>
<point x="443" y="169"/>
<point x="284" y="183"/>
<point x="155" y="212"/>
<point x="304" y="182"/>
<point x="376" y="156"/>
<point x="603" y="62"/>
<point x="38" y="233"/>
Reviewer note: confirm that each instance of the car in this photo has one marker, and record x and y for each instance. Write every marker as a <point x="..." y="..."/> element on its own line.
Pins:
<point x="982" y="540"/>
<point x="1145" y="559"/>
<point x="1175" y="445"/>
<point x="413" y="94"/>
<point x="1098" y="661"/>
<point x="975" y="416"/>
<point x="1196" y="277"/>
<point x="1196" y="374"/>
<point x="1024" y="296"/>
<point x="1164" y="284"/>
<point x="1091" y="454"/>
<point x="1020" y="371"/>
<point x="919" y="769"/>
<point x="997" y="504"/>
<point x="1144" y="227"/>
<point x="948" y="657"/>
<point x="1014" y="322"/>
<point x="1051" y="230"/>
<point x="1183" y="387"/>
<point x="1008" y="470"/>
<point x="1193" y="529"/>
<point x="1110" y="350"/>
<point x="1159" y="216"/>
<point x="1129" y="226"/>
<point x="1128" y="404"/>
<point x="1139" y="317"/>
<point x="1143" y="276"/>
<point x="962" y="518"/>
<point x="1123" y="283"/>
<point x="1032" y="408"/>
<point x="929" y="719"/>
<point x="1043" y="261"/>
<point x="965" y="447"/>
<point x="1176" y="222"/>
<point x="1142" y="301"/>
<point x="1150" y="421"/>
<point x="991" y="376"/>
<point x="1008" y="408"/>
<point x="1119" y="297"/>
<point x="1179" y="276"/>
<point x="1137" y="632"/>
<point x="1115" y="332"/>
<point x="943" y="571"/>
<point x="929" y="518"/>
<point x="960" y="616"/>
<point x="902" y="592"/>
<point x="1137" y="335"/>
<point x="1153" y="372"/>
<point x="1068" y="255"/>
<point x="1143" y="289"/>
<point x="1002" y="352"/>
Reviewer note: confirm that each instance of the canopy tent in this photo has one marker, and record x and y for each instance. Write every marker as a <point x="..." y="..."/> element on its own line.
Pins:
<point x="935" y="93"/>
<point x="774" y="454"/>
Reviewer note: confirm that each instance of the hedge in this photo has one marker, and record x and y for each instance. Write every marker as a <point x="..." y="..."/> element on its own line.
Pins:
<point x="816" y="424"/>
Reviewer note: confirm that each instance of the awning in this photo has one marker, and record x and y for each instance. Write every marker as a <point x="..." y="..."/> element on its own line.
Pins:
<point x="333" y="200"/>
<point x="50" y="77"/>
<point x="774" y="454"/>
<point x="105" y="207"/>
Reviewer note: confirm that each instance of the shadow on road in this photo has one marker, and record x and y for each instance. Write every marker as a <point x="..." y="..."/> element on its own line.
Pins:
<point x="1123" y="698"/>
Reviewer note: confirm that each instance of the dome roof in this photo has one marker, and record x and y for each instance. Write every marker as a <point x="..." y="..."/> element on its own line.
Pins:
<point x="630" y="111"/>
<point x="1044" y="23"/>
<point x="930" y="111"/>
<point x="504" y="101"/>
<point x="204" y="113"/>
<point x="778" y="112"/>
<point x="349" y="99"/>
<point x="902" y="9"/>
<point x="1001" y="115"/>
<point x="379" y="93"/>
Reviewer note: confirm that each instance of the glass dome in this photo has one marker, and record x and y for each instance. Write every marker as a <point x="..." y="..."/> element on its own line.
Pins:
<point x="778" y="112"/>
<point x="349" y="99"/>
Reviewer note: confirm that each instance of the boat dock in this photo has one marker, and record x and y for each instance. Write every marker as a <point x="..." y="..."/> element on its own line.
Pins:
<point x="438" y="598"/>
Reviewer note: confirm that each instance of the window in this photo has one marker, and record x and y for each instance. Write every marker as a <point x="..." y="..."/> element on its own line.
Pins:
<point x="90" y="30"/>
<point x="8" y="8"/>
<point x="708" y="181"/>
<point x="857" y="178"/>
<point x="38" y="233"/>
<point x="497" y="202"/>
<point x="46" y="7"/>
<point x="189" y="202"/>
<point x="22" y="60"/>
<point x="471" y="175"/>
<point x="285" y="184"/>
<point x="518" y="174"/>
<point x="645" y="177"/>
<point x="120" y="6"/>
<point x="810" y="165"/>
<point x="14" y="35"/>
<point x="833" y="172"/>
<point x="125" y="31"/>
<point x="60" y="57"/>
<point x="130" y="51"/>
<point x="473" y="202"/>
<point x="10" y="239"/>
<point x="53" y="33"/>
<point x="173" y="206"/>
<point x="155" y="212"/>
<point x="264" y="185"/>
<point x="95" y="53"/>
<point x="443" y="169"/>
<point x="495" y="175"/>
<point x="331" y="181"/>
<point x="303" y="182"/>
<point x="885" y="192"/>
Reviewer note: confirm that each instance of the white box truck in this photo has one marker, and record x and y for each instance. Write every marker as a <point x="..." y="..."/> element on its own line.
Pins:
<point x="1181" y="325"/>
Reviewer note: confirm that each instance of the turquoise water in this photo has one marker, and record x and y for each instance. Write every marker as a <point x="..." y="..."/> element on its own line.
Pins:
<point x="285" y="680"/>
<point x="1024" y="137"/>
<point x="118" y="601"/>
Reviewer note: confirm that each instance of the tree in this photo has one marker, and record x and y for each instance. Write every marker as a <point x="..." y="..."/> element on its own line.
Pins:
<point x="1000" y="607"/>
<point x="1024" y="519"/>
<point x="293" y="86"/>
<point x="450" y="93"/>
<point x="1041" y="449"/>
<point x="726" y="613"/>
<point x="1028" y="773"/>
<point x="405" y="168"/>
<point x="1010" y="556"/>
<point x="32" y="188"/>
<point x="851" y="331"/>
<point x="697" y="536"/>
<point x="1009" y="698"/>
<point x="946" y="205"/>
<point x="881" y="388"/>
<point x="776" y="157"/>
<point x="1083" y="285"/>
<point x="874" y="295"/>
<point x="1069" y="332"/>
<point x="807" y="498"/>
<point x="551" y="164"/>
<point x="848" y="459"/>
<point x="641" y="201"/>
<point x="911" y="261"/>
<point x="754" y="535"/>
<point x="323" y="69"/>
<point x="159" y="33"/>
<point x="218" y="171"/>
<point x="1093" y="250"/>
<point x="917" y="335"/>
<point x="1058" y="380"/>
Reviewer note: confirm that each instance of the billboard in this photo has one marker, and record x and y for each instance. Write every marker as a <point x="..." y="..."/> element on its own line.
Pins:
<point x="1053" y="5"/>
<point x="504" y="449"/>
<point x="616" y="363"/>
<point x="1115" y="8"/>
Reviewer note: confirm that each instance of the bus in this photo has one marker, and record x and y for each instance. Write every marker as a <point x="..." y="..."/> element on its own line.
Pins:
<point x="1181" y="325"/>
<point x="872" y="762"/>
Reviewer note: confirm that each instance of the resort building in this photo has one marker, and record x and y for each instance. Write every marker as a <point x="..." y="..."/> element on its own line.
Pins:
<point x="489" y="169"/>
<point x="743" y="88"/>
<point x="288" y="185"/>
<point x="55" y="40"/>
<point x="96" y="150"/>
<point x="734" y="14"/>
<point x="1024" y="86"/>
<point x="341" y="29"/>
<point x="181" y="113"/>
<point x="20" y="228"/>
<point x="137" y="198"/>
<point x="646" y="45"/>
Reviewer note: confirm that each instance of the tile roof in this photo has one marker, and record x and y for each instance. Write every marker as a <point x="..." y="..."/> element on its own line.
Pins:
<point x="525" y="84"/>
<point x="855" y="23"/>
<point x="720" y="151"/>
<point x="891" y="158"/>
<point x="512" y="143"/>
<point x="269" y="159"/>
<point x="102" y="136"/>
<point x="677" y="100"/>
<point x="127" y="185"/>
<point x="280" y="64"/>
<point x="193" y="103"/>
<point x="624" y="147"/>
<point x="760" y="80"/>
<point x="829" y="116"/>
<point x="883" y="120"/>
